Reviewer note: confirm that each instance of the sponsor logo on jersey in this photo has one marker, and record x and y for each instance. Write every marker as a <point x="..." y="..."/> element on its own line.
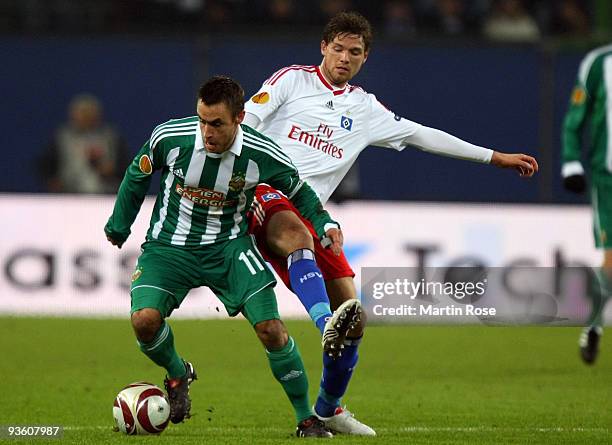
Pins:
<point x="204" y="197"/>
<point x="261" y="98"/>
<point x="144" y="163"/>
<point x="270" y="196"/>
<point x="578" y="96"/>
<point x="316" y="141"/>
<point x="330" y="105"/>
<point x="237" y="182"/>
<point x="346" y="123"/>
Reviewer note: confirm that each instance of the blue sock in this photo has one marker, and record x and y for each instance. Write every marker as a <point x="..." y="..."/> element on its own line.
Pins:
<point x="307" y="283"/>
<point x="336" y="376"/>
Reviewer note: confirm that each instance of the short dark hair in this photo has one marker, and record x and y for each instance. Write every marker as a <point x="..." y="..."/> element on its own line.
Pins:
<point x="348" y="23"/>
<point x="223" y="89"/>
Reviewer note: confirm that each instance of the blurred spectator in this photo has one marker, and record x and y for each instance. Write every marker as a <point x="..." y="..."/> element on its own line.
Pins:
<point x="510" y="21"/>
<point x="450" y="17"/>
<point x="281" y="12"/>
<point x="190" y="6"/>
<point x="278" y="14"/>
<point x="218" y="14"/>
<point x="64" y="15"/>
<point x="329" y="8"/>
<point x="399" y="19"/>
<point x="86" y="155"/>
<point x="569" y="17"/>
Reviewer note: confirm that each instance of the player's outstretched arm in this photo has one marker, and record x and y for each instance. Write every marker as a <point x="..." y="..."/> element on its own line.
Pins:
<point x="526" y="165"/>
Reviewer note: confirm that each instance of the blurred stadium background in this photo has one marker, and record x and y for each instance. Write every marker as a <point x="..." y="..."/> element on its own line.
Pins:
<point x="438" y="62"/>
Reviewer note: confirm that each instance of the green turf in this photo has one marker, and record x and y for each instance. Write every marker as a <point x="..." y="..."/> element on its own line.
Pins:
<point x="417" y="385"/>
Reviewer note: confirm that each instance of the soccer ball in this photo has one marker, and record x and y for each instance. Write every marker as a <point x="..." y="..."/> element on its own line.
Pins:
<point x="141" y="408"/>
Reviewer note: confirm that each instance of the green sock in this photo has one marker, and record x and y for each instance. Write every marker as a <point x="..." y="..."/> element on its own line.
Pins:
<point x="288" y="368"/>
<point x="599" y="293"/>
<point x="161" y="351"/>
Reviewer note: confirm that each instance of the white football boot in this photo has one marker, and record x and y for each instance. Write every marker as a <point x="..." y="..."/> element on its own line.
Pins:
<point x="343" y="422"/>
<point x="345" y="318"/>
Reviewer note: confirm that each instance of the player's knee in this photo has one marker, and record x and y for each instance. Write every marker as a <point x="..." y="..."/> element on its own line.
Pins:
<point x="272" y="333"/>
<point x="294" y="238"/>
<point x="146" y="323"/>
<point x="301" y="237"/>
<point x="286" y="234"/>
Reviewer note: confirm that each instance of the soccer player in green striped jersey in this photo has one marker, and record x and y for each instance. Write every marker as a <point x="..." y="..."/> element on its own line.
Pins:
<point x="210" y="165"/>
<point x="591" y="102"/>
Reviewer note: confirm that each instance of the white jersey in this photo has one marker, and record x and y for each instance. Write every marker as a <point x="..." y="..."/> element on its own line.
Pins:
<point x="323" y="129"/>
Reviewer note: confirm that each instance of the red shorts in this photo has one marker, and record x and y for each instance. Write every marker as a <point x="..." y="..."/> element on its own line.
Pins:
<point x="266" y="202"/>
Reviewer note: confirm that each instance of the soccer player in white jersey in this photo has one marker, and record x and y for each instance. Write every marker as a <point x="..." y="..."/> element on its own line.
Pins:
<point x="323" y="123"/>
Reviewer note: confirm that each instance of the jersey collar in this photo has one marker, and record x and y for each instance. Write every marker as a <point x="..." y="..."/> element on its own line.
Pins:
<point x="324" y="81"/>
<point x="199" y="141"/>
<point x="235" y="148"/>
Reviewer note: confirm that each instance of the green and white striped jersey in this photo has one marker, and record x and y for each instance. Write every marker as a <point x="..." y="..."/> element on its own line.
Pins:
<point x="203" y="197"/>
<point x="591" y="101"/>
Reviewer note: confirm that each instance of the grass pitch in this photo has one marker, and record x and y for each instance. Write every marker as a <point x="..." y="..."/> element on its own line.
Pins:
<point x="414" y="384"/>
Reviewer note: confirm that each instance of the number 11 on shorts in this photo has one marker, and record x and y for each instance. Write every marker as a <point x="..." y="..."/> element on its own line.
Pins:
<point x="244" y="257"/>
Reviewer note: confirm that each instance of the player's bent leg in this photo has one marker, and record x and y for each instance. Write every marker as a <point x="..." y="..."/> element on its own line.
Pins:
<point x="600" y="292"/>
<point x="337" y="372"/>
<point x="287" y="236"/>
<point x="600" y="289"/>
<point x="285" y="233"/>
<point x="156" y="340"/>
<point x="284" y="359"/>
<point x="159" y="284"/>
<point x="272" y="334"/>
<point x="150" y="306"/>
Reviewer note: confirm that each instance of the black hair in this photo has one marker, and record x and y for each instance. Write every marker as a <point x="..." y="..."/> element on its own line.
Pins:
<point x="220" y="89"/>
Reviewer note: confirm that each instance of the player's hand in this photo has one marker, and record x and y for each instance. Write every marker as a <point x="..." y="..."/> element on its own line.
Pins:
<point x="114" y="242"/>
<point x="575" y="183"/>
<point x="337" y="240"/>
<point x="526" y="165"/>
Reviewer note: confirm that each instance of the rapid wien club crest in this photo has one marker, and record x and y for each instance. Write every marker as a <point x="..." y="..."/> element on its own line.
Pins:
<point x="237" y="182"/>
